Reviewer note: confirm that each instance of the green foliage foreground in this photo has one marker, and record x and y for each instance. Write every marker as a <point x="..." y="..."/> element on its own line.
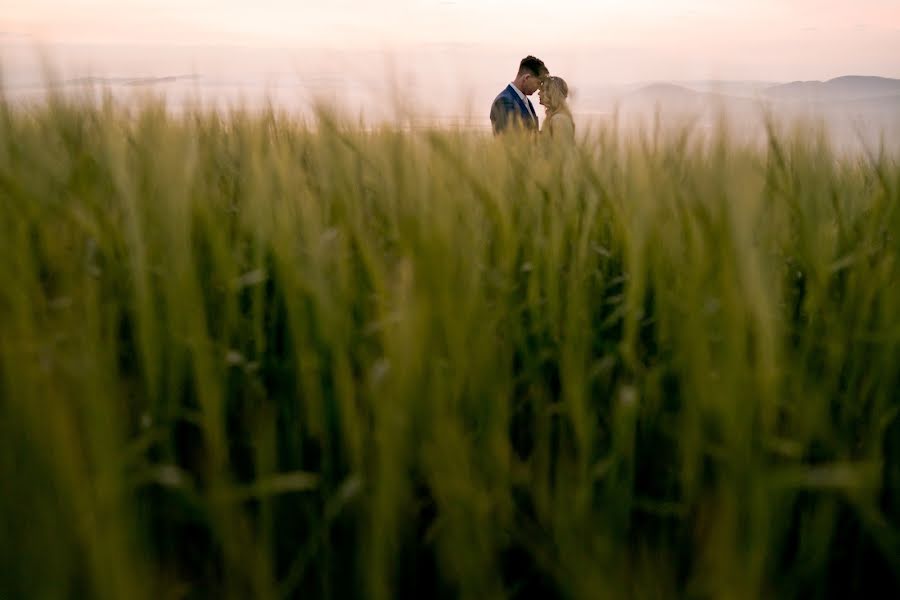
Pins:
<point x="242" y="356"/>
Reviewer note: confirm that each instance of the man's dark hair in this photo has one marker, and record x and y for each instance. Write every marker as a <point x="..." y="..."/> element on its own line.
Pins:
<point x="533" y="65"/>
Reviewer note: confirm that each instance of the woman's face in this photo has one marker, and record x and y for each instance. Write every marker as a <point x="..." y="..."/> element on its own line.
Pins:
<point x="543" y="95"/>
<point x="546" y="95"/>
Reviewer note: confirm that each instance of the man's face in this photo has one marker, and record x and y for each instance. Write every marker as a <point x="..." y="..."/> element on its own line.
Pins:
<point x="531" y="84"/>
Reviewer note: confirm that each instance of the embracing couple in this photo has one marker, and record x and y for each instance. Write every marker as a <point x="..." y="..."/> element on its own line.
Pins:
<point x="513" y="109"/>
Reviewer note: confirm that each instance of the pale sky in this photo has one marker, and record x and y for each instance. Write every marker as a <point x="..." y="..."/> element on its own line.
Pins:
<point x="762" y="39"/>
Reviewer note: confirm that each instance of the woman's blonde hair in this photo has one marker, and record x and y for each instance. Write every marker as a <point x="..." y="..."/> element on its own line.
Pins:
<point x="556" y="90"/>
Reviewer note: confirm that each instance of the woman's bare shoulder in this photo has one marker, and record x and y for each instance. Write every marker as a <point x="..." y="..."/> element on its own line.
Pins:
<point x="562" y="123"/>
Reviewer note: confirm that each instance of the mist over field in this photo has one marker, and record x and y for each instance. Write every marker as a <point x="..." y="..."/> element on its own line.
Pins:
<point x="452" y="85"/>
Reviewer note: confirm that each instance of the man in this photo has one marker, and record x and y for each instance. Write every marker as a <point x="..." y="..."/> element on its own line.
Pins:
<point x="512" y="106"/>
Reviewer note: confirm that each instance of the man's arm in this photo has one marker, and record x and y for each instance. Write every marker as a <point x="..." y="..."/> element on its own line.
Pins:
<point x="503" y="112"/>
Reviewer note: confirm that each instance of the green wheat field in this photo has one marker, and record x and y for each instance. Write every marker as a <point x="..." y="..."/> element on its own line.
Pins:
<point x="244" y="355"/>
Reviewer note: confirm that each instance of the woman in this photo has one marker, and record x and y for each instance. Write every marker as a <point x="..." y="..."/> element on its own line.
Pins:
<point x="558" y="124"/>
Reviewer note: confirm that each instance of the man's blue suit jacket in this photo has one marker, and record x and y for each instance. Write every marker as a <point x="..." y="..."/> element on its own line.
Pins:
<point x="508" y="109"/>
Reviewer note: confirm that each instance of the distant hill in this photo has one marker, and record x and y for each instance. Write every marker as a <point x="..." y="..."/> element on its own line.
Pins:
<point x="853" y="87"/>
<point x="845" y="103"/>
<point x="665" y="91"/>
<point x="853" y="93"/>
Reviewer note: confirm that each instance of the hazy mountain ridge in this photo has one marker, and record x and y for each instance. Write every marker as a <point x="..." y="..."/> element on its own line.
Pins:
<point x="846" y="88"/>
<point x="850" y="93"/>
<point x="849" y="87"/>
<point x="856" y="110"/>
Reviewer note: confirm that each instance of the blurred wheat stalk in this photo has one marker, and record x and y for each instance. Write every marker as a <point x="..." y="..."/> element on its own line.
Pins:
<point x="245" y="356"/>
